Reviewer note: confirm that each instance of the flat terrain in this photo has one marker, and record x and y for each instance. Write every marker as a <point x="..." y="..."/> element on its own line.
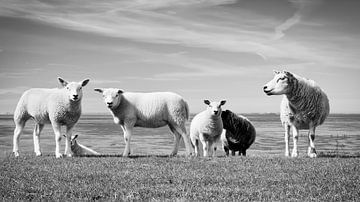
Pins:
<point x="270" y="178"/>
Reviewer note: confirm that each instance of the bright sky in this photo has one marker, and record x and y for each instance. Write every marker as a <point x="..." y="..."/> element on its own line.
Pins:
<point x="201" y="49"/>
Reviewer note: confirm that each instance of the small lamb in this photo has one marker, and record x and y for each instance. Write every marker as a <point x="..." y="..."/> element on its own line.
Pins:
<point x="148" y="110"/>
<point x="79" y="149"/>
<point x="304" y="106"/>
<point x="238" y="134"/>
<point x="60" y="107"/>
<point x="207" y="126"/>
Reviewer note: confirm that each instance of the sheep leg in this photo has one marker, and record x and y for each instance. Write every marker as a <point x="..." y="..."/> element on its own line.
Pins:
<point x="57" y="132"/>
<point x="182" y="131"/>
<point x="127" y="136"/>
<point x="177" y="137"/>
<point x="232" y="152"/>
<point x="226" y="150"/>
<point x="17" y="132"/>
<point x="68" y="152"/>
<point x="287" y="138"/>
<point x="195" y="143"/>
<point x="295" y="152"/>
<point x="206" y="148"/>
<point x="311" y="149"/>
<point x="36" y="136"/>
<point x="242" y="152"/>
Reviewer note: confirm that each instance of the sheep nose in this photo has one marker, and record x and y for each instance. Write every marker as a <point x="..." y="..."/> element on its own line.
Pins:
<point x="215" y="112"/>
<point x="76" y="97"/>
<point x="265" y="87"/>
<point x="109" y="103"/>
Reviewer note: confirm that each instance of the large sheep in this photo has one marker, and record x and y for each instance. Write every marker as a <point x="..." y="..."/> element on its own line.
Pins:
<point x="148" y="110"/>
<point x="238" y="134"/>
<point x="80" y="150"/>
<point x="207" y="126"/>
<point x="60" y="107"/>
<point x="304" y="106"/>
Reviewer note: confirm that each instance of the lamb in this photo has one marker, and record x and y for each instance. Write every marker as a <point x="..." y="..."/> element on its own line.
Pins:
<point x="80" y="150"/>
<point x="60" y="107"/>
<point x="207" y="126"/>
<point x="149" y="110"/>
<point x="238" y="133"/>
<point x="304" y="106"/>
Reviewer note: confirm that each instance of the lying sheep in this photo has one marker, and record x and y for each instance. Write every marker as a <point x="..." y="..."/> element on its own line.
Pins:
<point x="238" y="133"/>
<point x="304" y="106"/>
<point x="148" y="110"/>
<point x="60" y="107"/>
<point x="80" y="150"/>
<point x="207" y="126"/>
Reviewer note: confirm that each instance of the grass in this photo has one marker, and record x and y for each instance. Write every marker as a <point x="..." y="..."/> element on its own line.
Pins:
<point x="180" y="178"/>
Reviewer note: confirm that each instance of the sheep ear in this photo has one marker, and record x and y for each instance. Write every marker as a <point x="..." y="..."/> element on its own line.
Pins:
<point x="276" y="71"/>
<point x="86" y="81"/>
<point x="222" y="102"/>
<point x="120" y="91"/>
<point x="289" y="74"/>
<point x="207" y="102"/>
<point x="62" y="82"/>
<point x="99" y="90"/>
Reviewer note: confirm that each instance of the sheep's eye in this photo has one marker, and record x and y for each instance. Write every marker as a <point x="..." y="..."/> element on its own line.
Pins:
<point x="116" y="95"/>
<point x="80" y="88"/>
<point x="67" y="88"/>
<point x="282" y="78"/>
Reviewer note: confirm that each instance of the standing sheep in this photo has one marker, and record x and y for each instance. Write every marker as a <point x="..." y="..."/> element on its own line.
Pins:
<point x="60" y="107"/>
<point x="304" y="106"/>
<point x="207" y="126"/>
<point x="148" y="110"/>
<point x="238" y="133"/>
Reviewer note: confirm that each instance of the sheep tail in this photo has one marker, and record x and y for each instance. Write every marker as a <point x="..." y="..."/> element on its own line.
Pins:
<point x="187" y="111"/>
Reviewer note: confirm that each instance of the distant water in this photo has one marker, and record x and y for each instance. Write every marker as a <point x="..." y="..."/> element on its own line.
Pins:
<point x="340" y="132"/>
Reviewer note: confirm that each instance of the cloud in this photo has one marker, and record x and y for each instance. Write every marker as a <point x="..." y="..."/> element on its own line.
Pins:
<point x="303" y="7"/>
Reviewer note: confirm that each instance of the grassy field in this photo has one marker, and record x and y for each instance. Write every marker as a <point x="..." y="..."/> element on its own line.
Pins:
<point x="270" y="178"/>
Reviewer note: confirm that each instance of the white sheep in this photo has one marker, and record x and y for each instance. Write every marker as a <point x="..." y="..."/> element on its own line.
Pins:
<point x="80" y="150"/>
<point x="304" y="106"/>
<point x="148" y="110"/>
<point x="239" y="133"/>
<point x="207" y="126"/>
<point x="60" y="107"/>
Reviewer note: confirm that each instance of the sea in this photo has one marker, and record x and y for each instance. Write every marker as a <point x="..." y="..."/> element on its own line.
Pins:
<point x="340" y="133"/>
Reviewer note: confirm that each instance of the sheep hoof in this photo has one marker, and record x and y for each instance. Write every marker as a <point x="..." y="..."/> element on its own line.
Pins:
<point x="69" y="155"/>
<point x="126" y="154"/>
<point x="295" y="154"/>
<point x="287" y="154"/>
<point x="312" y="152"/>
<point x="38" y="154"/>
<point x="58" y="156"/>
<point x="16" y="154"/>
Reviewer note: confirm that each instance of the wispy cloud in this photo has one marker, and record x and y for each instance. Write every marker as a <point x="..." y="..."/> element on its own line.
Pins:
<point x="303" y="7"/>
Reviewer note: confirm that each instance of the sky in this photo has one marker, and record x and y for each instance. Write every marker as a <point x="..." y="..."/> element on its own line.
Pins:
<point x="200" y="49"/>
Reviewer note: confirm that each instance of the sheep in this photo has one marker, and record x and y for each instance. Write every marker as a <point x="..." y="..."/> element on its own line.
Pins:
<point x="207" y="126"/>
<point x="238" y="133"/>
<point x="304" y="106"/>
<point x="148" y="110"/>
<point x="80" y="150"/>
<point x="59" y="107"/>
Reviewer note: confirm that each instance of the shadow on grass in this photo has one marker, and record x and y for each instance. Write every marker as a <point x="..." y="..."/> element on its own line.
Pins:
<point x="336" y="154"/>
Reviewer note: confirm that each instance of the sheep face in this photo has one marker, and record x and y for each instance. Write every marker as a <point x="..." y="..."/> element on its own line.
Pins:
<point x="73" y="140"/>
<point x="73" y="89"/>
<point x="280" y="84"/>
<point x="215" y="107"/>
<point x="111" y="96"/>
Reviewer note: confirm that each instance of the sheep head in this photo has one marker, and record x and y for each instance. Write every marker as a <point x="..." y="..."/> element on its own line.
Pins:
<point x="111" y="96"/>
<point x="73" y="89"/>
<point x="214" y="107"/>
<point x="280" y="84"/>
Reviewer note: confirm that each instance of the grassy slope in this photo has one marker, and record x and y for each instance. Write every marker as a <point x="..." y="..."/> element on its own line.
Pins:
<point x="180" y="178"/>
